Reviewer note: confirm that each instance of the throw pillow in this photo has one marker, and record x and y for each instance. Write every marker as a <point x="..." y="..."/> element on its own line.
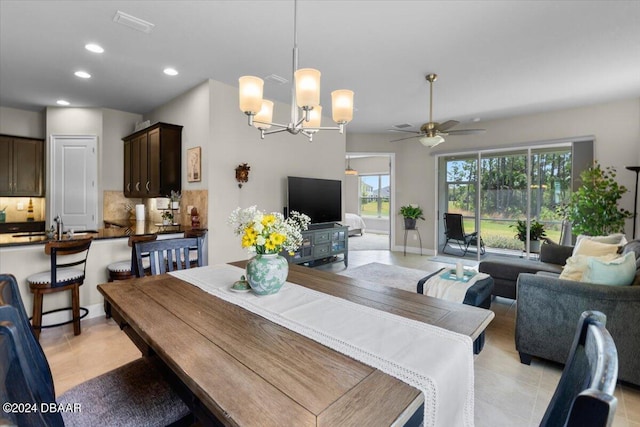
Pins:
<point x="614" y="239"/>
<point x="618" y="272"/>
<point x="593" y="248"/>
<point x="577" y="265"/>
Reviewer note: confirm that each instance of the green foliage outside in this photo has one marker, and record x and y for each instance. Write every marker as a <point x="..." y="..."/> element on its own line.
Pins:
<point x="371" y="209"/>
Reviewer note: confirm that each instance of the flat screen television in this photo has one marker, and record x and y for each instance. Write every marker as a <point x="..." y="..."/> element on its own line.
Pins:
<point x="321" y="199"/>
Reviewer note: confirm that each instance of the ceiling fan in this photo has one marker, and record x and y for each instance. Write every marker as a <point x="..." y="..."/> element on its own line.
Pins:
<point x="431" y="133"/>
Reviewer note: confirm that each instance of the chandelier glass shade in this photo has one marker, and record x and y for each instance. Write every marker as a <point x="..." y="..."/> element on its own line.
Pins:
<point x="305" y="96"/>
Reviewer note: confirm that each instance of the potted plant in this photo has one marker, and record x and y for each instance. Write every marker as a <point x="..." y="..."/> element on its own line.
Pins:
<point x="175" y="199"/>
<point x="167" y="218"/>
<point x="536" y="231"/>
<point x="411" y="213"/>
<point x="593" y="208"/>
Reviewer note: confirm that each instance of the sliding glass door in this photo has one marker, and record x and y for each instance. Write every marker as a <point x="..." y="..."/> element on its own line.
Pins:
<point x="495" y="191"/>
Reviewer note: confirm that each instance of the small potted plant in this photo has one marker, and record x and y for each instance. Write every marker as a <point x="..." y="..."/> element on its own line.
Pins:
<point x="536" y="232"/>
<point x="167" y="218"/>
<point x="411" y="213"/>
<point x="175" y="199"/>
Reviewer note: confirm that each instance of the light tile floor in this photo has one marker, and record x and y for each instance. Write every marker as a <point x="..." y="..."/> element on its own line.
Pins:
<point x="507" y="393"/>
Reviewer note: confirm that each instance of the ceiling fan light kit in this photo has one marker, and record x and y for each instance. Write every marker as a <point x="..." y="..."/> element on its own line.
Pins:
<point x="431" y="133"/>
<point x="305" y="95"/>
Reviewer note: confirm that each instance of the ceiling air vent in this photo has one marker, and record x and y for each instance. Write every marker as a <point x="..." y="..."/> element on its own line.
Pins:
<point x="274" y="78"/>
<point x="403" y="126"/>
<point x="133" y="22"/>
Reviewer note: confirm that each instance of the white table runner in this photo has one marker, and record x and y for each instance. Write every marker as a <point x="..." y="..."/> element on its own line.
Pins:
<point x="436" y="361"/>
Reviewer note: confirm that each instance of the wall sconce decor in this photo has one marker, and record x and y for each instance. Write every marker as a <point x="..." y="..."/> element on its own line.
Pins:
<point x="242" y="174"/>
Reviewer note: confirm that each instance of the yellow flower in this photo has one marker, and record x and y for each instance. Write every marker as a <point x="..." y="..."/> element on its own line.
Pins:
<point x="277" y="238"/>
<point x="269" y="245"/>
<point x="268" y="220"/>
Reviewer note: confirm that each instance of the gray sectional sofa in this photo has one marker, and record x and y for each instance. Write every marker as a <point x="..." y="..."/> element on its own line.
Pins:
<point x="548" y="310"/>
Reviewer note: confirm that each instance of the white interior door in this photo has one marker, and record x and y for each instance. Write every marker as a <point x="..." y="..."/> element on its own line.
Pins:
<point x="74" y="181"/>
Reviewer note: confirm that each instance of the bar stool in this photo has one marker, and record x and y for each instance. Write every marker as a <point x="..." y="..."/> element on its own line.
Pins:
<point x="63" y="276"/>
<point x="126" y="269"/>
<point x="200" y="234"/>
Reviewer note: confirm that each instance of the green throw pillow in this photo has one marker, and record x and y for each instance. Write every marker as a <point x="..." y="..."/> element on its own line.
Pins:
<point x="619" y="272"/>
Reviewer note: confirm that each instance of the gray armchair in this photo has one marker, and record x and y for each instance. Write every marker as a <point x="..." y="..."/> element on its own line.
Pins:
<point x="548" y="307"/>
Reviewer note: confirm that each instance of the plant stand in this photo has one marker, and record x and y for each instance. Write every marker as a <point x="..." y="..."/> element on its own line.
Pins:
<point x="406" y="231"/>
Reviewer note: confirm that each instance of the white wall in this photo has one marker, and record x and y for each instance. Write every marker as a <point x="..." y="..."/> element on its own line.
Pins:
<point x="615" y="126"/>
<point x="25" y="123"/>
<point x="211" y="119"/>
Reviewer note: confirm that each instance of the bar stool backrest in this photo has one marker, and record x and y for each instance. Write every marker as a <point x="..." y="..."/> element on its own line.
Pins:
<point x="58" y="248"/>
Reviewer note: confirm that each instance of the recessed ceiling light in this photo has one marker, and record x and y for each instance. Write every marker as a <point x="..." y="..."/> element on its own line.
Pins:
<point x="170" y="71"/>
<point x="476" y="119"/>
<point x="92" y="47"/>
<point x="82" y="74"/>
<point x="62" y="102"/>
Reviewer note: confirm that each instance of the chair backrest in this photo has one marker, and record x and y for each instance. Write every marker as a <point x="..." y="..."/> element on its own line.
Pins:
<point x="132" y="244"/>
<point x="20" y="377"/>
<point x="19" y="381"/>
<point x="62" y="248"/>
<point x="584" y="395"/>
<point x="454" y="226"/>
<point x="10" y="297"/>
<point x="167" y="255"/>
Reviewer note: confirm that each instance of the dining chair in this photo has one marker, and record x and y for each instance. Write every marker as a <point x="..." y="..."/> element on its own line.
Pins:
<point x="132" y="395"/>
<point x="168" y="255"/>
<point x="67" y="273"/>
<point x="454" y="231"/>
<point x="584" y="395"/>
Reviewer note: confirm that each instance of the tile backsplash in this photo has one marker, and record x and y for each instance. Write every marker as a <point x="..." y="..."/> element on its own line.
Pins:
<point x="118" y="207"/>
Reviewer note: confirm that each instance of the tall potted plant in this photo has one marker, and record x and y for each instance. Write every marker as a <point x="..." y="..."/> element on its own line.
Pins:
<point x="411" y="213"/>
<point x="593" y="208"/>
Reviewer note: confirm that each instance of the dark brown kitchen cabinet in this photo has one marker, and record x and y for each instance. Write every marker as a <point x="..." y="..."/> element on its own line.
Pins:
<point x="153" y="161"/>
<point x="21" y="166"/>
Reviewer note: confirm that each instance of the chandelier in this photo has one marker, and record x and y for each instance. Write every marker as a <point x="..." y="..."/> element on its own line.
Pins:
<point x="305" y="96"/>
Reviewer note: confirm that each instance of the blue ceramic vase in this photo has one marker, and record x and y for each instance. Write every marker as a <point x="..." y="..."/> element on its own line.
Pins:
<point x="267" y="273"/>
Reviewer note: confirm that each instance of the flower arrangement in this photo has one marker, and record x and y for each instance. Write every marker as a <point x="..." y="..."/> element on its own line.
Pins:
<point x="270" y="233"/>
<point x="175" y="196"/>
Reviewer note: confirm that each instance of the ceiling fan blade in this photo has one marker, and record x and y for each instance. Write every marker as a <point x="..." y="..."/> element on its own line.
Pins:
<point x="408" y="137"/>
<point x="402" y="130"/>
<point x="466" y="132"/>
<point x="447" y="125"/>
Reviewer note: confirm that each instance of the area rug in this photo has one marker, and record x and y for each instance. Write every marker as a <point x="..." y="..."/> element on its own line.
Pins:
<point x="387" y="275"/>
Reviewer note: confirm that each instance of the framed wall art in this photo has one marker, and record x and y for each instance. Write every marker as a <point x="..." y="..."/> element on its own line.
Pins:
<point x="194" y="173"/>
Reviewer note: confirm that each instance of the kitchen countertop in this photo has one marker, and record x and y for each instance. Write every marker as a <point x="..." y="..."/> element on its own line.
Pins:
<point x="112" y="230"/>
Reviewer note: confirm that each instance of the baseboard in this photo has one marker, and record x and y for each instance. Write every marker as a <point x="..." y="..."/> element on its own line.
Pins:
<point x="413" y="250"/>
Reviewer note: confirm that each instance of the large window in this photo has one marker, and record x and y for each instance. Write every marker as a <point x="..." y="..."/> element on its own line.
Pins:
<point x="493" y="190"/>
<point x="374" y="195"/>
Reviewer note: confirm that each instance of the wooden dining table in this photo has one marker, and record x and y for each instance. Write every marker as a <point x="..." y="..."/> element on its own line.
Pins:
<point x="236" y="368"/>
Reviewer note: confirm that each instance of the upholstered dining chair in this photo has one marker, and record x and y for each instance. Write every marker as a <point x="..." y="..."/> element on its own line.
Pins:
<point x="584" y="395"/>
<point x="168" y="255"/>
<point x="133" y="395"/>
<point x="67" y="273"/>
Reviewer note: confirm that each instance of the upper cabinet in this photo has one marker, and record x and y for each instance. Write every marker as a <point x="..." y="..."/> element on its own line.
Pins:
<point x="21" y="166"/>
<point x="153" y="161"/>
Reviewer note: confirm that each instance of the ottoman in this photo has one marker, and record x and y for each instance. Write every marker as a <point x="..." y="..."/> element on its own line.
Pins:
<point x="478" y="295"/>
